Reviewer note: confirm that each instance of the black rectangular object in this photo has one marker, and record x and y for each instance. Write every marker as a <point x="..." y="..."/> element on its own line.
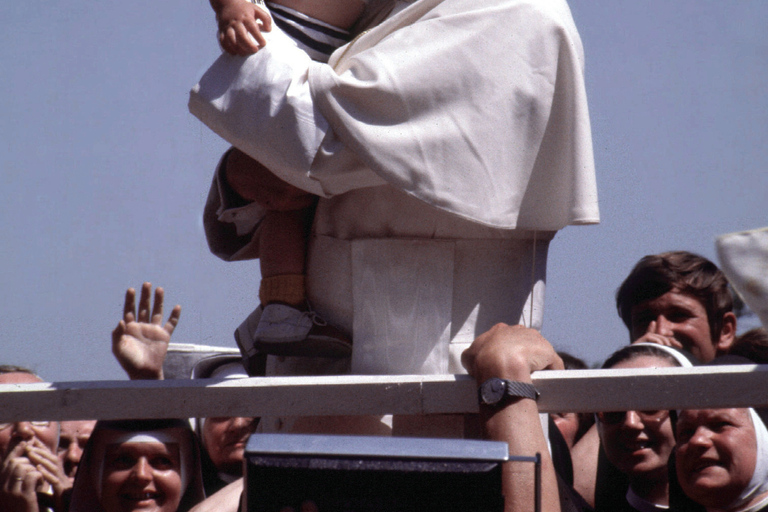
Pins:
<point x="367" y="474"/>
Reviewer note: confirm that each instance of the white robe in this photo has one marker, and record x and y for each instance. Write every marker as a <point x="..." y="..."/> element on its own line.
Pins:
<point x="451" y="141"/>
<point x="477" y="108"/>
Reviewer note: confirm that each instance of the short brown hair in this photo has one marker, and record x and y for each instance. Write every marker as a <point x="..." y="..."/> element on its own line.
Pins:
<point x="691" y="274"/>
<point x="10" y="368"/>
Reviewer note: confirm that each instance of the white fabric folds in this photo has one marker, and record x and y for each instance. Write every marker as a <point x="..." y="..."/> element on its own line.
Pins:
<point x="476" y="108"/>
<point x="744" y="260"/>
<point x="252" y="104"/>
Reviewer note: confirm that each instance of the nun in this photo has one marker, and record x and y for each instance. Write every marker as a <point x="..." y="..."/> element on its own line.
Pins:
<point x="722" y="459"/>
<point x="635" y="446"/>
<point x="147" y="465"/>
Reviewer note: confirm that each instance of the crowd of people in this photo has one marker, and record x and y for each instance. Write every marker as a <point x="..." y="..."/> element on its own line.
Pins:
<point x="679" y="313"/>
<point x="380" y="138"/>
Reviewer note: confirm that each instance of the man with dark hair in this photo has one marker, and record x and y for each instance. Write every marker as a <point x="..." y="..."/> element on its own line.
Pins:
<point x="681" y="300"/>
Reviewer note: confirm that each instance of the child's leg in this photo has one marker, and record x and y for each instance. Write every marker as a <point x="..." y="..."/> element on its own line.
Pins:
<point x="283" y="242"/>
<point x="284" y="327"/>
<point x="283" y="233"/>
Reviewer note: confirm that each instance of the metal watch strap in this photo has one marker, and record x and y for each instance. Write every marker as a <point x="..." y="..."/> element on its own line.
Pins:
<point x="521" y="390"/>
<point x="496" y="391"/>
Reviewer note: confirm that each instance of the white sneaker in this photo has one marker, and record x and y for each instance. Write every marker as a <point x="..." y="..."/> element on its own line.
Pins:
<point x="255" y="362"/>
<point x="287" y="331"/>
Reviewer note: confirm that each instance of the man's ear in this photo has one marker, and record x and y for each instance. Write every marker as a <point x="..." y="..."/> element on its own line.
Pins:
<point x="727" y="334"/>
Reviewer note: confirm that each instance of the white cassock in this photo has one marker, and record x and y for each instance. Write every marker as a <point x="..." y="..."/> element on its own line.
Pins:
<point x="448" y="144"/>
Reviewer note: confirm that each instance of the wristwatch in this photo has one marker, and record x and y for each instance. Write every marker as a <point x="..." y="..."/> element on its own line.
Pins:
<point x="496" y="391"/>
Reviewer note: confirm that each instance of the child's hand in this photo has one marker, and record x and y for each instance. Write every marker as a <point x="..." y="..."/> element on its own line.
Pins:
<point x="240" y="26"/>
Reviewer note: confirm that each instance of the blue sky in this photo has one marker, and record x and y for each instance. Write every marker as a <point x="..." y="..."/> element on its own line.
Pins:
<point x="103" y="172"/>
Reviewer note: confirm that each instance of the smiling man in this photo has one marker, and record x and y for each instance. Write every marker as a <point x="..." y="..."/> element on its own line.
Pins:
<point x="678" y="299"/>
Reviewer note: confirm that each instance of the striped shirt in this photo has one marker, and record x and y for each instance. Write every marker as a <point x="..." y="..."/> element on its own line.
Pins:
<point x="315" y="37"/>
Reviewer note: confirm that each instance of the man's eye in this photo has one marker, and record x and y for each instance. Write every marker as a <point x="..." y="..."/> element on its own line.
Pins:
<point x="641" y="322"/>
<point x="679" y="317"/>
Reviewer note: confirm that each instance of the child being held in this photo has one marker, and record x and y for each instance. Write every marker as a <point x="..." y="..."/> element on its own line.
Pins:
<point x="283" y="324"/>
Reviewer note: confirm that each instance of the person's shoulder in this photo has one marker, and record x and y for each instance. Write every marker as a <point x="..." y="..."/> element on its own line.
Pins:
<point x="556" y="11"/>
<point x="554" y="18"/>
<point x="546" y="18"/>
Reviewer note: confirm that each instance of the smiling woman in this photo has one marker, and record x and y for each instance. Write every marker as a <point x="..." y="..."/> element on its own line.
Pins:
<point x="148" y="465"/>
<point x="637" y="443"/>
<point x="722" y="460"/>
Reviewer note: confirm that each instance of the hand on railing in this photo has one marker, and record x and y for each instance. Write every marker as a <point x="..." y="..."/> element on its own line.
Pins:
<point x="140" y="342"/>
<point x="509" y="352"/>
<point x="514" y="353"/>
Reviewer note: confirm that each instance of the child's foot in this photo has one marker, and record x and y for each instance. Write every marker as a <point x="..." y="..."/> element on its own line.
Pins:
<point x="253" y="360"/>
<point x="283" y="330"/>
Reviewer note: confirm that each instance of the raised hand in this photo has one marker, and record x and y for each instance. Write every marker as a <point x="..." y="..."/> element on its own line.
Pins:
<point x="140" y="342"/>
<point x="654" y="334"/>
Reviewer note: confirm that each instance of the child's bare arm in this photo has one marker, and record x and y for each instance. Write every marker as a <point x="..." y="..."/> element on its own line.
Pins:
<point x="240" y="26"/>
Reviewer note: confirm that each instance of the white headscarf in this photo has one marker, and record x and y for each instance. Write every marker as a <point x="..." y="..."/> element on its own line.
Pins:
<point x="169" y="436"/>
<point x="87" y="490"/>
<point x="759" y="482"/>
<point x="681" y="359"/>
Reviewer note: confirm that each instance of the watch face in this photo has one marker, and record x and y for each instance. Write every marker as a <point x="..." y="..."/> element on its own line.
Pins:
<point x="492" y="391"/>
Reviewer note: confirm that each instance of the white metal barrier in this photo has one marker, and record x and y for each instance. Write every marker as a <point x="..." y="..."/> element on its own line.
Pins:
<point x="570" y="390"/>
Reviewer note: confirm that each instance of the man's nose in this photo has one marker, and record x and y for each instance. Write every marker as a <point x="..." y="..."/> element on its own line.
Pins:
<point x="245" y="424"/>
<point x="74" y="453"/>
<point x="662" y="325"/>
<point x="23" y="429"/>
